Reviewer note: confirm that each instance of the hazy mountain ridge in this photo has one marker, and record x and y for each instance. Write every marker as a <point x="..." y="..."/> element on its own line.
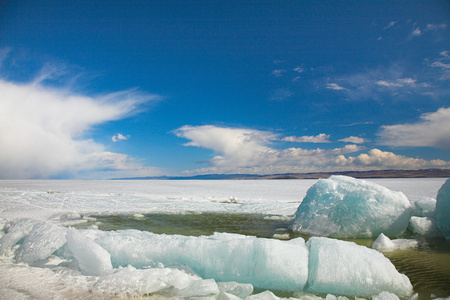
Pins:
<point x="425" y="173"/>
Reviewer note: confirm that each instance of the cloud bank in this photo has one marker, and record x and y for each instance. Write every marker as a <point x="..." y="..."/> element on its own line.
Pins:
<point x="43" y="129"/>
<point x="248" y="151"/>
<point x="433" y="130"/>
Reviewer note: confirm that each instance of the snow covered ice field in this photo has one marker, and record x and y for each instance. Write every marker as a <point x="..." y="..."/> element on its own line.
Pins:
<point x="118" y="215"/>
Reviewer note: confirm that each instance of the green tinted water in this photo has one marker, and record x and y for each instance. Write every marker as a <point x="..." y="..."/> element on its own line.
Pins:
<point x="428" y="267"/>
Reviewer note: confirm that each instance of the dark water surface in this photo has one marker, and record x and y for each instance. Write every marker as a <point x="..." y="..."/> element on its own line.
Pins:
<point x="428" y="266"/>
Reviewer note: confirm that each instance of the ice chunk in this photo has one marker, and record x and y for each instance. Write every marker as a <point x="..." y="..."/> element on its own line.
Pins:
<point x="383" y="243"/>
<point x="17" y="230"/>
<point x="43" y="240"/>
<point x="240" y="290"/>
<point x="385" y="296"/>
<point x="129" y="281"/>
<point x="424" y="226"/>
<point x="344" y="268"/>
<point x="425" y="207"/>
<point x="92" y="258"/>
<point x="266" y="295"/>
<point x="342" y="206"/>
<point x="443" y="209"/>
<point x="265" y="263"/>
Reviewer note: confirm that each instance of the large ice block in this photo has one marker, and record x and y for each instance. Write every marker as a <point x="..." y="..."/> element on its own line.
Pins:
<point x="265" y="263"/>
<point x="344" y="268"/>
<point x="15" y="231"/>
<point x="43" y="239"/>
<point x="443" y="209"/>
<point x="345" y="207"/>
<point x="92" y="258"/>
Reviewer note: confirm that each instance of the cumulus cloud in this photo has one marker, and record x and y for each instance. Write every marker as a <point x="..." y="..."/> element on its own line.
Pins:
<point x="239" y="150"/>
<point x="433" y="130"/>
<point x="354" y="140"/>
<point x="119" y="137"/>
<point x="321" y="138"/>
<point x="43" y="129"/>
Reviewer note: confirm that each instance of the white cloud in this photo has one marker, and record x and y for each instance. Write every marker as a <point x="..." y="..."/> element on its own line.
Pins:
<point x="445" y="54"/>
<point x="42" y="131"/>
<point x="278" y="72"/>
<point x="438" y="64"/>
<point x="247" y="151"/>
<point x="119" y="137"/>
<point x="392" y="23"/>
<point x="335" y="86"/>
<point x="397" y="83"/>
<point x="376" y="159"/>
<point x="433" y="130"/>
<point x="281" y="94"/>
<point x="299" y="69"/>
<point x="416" y="32"/>
<point x="321" y="138"/>
<point x="354" y="140"/>
<point x="436" y="26"/>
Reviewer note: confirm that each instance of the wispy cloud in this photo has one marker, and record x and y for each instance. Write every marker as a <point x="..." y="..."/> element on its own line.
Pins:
<point x="248" y="151"/>
<point x="394" y="81"/>
<point x="436" y="26"/>
<point x="392" y="23"/>
<point x="335" y="86"/>
<point x="433" y="130"/>
<point x="281" y="94"/>
<point x="321" y="138"/>
<point x="299" y="69"/>
<point x="43" y="129"/>
<point x="416" y="32"/>
<point x="278" y="72"/>
<point x="354" y="140"/>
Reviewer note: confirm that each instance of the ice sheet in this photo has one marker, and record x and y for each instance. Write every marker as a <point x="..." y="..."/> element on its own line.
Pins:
<point x="69" y="202"/>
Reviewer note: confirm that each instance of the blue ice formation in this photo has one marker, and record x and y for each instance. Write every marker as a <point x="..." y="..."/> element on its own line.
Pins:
<point x="265" y="263"/>
<point x="144" y="262"/>
<point x="346" y="207"/>
<point x="443" y="209"/>
<point x="344" y="268"/>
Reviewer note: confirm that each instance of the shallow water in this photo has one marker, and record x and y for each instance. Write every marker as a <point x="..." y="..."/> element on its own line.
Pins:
<point x="428" y="267"/>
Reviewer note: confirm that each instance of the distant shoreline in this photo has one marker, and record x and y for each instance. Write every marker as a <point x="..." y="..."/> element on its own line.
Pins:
<point x="424" y="173"/>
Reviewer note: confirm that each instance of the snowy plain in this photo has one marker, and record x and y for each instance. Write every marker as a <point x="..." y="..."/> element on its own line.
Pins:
<point x="66" y="203"/>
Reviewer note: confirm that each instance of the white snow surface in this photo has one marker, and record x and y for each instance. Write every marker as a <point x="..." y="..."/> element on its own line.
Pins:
<point x="345" y="207"/>
<point x="33" y="213"/>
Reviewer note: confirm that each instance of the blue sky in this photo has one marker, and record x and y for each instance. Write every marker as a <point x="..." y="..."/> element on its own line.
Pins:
<point x="107" y="89"/>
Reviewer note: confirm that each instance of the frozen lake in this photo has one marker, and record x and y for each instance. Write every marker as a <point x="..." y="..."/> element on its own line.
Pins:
<point x="261" y="208"/>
